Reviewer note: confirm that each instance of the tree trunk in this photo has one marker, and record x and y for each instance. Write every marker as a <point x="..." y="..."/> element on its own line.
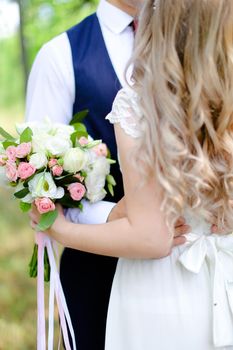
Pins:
<point x="24" y="58"/>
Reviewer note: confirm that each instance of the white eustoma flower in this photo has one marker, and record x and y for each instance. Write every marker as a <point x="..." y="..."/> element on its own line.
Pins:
<point x="96" y="197"/>
<point x="75" y="160"/>
<point x="43" y="185"/>
<point x="28" y="198"/>
<point x="96" y="178"/>
<point x="38" y="160"/>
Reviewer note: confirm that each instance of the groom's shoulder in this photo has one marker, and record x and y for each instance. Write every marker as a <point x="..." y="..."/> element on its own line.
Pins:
<point x="57" y="51"/>
<point x="60" y="43"/>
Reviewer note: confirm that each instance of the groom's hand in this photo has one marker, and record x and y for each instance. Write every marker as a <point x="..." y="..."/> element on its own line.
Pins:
<point x="181" y="228"/>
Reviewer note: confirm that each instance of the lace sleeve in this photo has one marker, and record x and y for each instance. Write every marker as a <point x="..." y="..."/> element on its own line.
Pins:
<point x="125" y="110"/>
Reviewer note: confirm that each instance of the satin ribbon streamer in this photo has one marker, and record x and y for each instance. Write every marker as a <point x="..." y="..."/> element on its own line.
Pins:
<point x="55" y="290"/>
<point x="217" y="252"/>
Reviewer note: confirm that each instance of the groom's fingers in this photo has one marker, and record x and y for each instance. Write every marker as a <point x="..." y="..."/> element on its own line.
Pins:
<point x="178" y="241"/>
<point x="180" y="221"/>
<point x="182" y="230"/>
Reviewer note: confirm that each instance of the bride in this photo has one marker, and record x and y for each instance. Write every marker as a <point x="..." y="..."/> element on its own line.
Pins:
<point x="174" y="131"/>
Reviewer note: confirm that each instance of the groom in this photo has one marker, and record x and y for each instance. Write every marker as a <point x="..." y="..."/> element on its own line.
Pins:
<point x="84" y="69"/>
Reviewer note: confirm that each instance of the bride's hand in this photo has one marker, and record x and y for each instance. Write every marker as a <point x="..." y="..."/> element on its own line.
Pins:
<point x="57" y="225"/>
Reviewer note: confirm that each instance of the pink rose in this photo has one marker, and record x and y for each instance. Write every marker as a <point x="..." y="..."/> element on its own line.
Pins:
<point x="3" y="159"/>
<point x="83" y="141"/>
<point x="11" y="171"/>
<point x="77" y="191"/>
<point x="11" y="153"/>
<point x="101" y="150"/>
<point x="25" y="170"/>
<point x="44" y="205"/>
<point x="52" y="162"/>
<point x="57" y="170"/>
<point x="79" y="177"/>
<point x="23" y="149"/>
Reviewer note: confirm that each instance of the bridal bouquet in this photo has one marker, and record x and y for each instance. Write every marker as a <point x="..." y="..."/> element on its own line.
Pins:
<point x="54" y="163"/>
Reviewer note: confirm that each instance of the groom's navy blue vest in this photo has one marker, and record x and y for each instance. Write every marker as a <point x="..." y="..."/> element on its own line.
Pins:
<point x="87" y="278"/>
<point x="96" y="86"/>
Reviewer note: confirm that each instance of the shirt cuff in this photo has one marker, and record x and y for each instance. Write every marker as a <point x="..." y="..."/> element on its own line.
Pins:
<point x="92" y="213"/>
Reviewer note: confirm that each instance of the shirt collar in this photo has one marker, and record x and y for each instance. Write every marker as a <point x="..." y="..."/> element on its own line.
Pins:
<point x="112" y="17"/>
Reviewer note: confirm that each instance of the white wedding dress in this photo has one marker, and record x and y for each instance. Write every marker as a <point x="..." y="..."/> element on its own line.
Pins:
<point x="181" y="302"/>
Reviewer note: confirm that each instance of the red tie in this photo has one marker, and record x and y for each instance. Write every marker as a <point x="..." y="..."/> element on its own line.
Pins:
<point x="134" y="25"/>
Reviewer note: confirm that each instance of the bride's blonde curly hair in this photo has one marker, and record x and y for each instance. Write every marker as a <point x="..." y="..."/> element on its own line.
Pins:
<point x="183" y="73"/>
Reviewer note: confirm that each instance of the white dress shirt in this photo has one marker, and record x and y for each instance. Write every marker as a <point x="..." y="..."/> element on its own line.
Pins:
<point x="51" y="84"/>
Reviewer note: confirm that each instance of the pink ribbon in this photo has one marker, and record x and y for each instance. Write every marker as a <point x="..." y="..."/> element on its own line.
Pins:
<point x="55" y="290"/>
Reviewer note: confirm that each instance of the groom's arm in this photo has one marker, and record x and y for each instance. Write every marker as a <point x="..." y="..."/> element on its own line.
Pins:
<point x="51" y="93"/>
<point x="51" y="86"/>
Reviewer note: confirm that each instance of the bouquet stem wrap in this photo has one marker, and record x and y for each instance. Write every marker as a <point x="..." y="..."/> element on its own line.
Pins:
<point x="56" y="290"/>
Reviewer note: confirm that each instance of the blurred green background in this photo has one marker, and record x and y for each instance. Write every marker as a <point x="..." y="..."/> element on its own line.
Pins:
<point x="24" y="26"/>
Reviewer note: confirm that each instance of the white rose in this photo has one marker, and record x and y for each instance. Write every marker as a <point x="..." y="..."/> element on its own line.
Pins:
<point x="62" y="130"/>
<point x="57" y="145"/>
<point x="36" y="127"/>
<point x="38" y="160"/>
<point x="42" y="185"/>
<point x="75" y="160"/>
<point x="39" y="141"/>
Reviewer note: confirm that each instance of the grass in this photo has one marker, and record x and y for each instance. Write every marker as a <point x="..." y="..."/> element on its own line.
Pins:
<point x="17" y="291"/>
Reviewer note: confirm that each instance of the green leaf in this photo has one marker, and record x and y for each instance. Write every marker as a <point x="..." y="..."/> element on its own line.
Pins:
<point x="13" y="184"/>
<point x="46" y="266"/>
<point x="79" y="117"/>
<point x="110" y="189"/>
<point x="22" y="193"/>
<point x="80" y="127"/>
<point x="60" y="161"/>
<point x="6" y="135"/>
<point x="33" y="262"/>
<point x="65" y="180"/>
<point x="111" y="161"/>
<point x="83" y="173"/>
<point x="46" y="220"/>
<point x="8" y="143"/>
<point x="26" y="135"/>
<point x="80" y="130"/>
<point x="68" y="202"/>
<point x="111" y="180"/>
<point x="80" y="206"/>
<point x="25" y="207"/>
<point x="93" y="144"/>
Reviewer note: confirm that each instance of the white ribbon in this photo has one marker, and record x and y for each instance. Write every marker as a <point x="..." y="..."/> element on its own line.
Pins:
<point x="55" y="290"/>
<point x="217" y="251"/>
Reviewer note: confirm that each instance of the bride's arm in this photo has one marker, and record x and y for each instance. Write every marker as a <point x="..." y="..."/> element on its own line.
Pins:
<point x="141" y="234"/>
